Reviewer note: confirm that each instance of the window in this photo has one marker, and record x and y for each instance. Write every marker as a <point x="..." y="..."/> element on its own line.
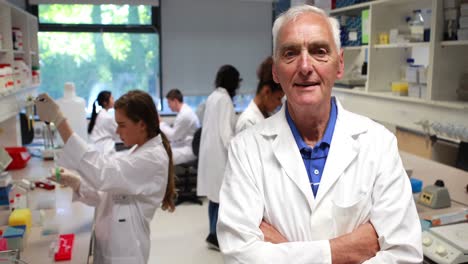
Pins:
<point x="99" y="47"/>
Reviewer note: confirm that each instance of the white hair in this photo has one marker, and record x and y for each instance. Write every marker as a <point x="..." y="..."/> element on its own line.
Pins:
<point x="294" y="12"/>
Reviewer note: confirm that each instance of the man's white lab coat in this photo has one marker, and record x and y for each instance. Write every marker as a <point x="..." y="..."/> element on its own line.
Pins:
<point x="251" y="116"/>
<point x="363" y="180"/>
<point x="104" y="133"/>
<point x="126" y="190"/>
<point x="180" y="134"/>
<point x="217" y="131"/>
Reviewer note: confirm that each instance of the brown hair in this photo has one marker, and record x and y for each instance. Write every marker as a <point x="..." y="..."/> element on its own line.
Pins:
<point x="138" y="105"/>
<point x="175" y="94"/>
<point x="265" y="76"/>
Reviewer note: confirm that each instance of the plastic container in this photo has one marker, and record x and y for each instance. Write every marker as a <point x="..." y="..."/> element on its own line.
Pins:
<point x="18" y="197"/>
<point x="416" y="25"/>
<point x="21" y="217"/>
<point x="400" y="88"/>
<point x="74" y="109"/>
<point x="20" y="156"/>
<point x="16" y="237"/>
<point x="36" y="75"/>
<point x="416" y="185"/>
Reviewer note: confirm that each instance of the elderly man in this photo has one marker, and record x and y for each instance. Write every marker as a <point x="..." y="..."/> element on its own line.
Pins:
<point x="315" y="183"/>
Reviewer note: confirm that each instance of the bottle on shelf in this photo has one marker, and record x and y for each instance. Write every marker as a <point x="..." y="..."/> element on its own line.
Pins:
<point x="416" y="25"/>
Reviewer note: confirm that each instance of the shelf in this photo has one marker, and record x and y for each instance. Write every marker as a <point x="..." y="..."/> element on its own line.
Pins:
<point x="11" y="101"/>
<point x="355" y="47"/>
<point x="454" y="43"/>
<point x="461" y="105"/>
<point x="350" y="9"/>
<point x="402" y="45"/>
<point x="15" y="91"/>
<point x="395" y="2"/>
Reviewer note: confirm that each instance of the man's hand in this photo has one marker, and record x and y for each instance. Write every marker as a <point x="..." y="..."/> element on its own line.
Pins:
<point x="271" y="234"/>
<point x="355" y="247"/>
<point x="48" y="110"/>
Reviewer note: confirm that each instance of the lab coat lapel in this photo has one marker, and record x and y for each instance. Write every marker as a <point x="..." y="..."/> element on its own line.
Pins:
<point x="344" y="149"/>
<point x="288" y="155"/>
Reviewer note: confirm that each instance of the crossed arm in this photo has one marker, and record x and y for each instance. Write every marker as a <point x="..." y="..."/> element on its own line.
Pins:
<point x="355" y="247"/>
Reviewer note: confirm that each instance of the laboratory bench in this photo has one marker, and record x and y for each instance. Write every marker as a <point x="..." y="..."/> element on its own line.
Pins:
<point x="429" y="171"/>
<point x="76" y="218"/>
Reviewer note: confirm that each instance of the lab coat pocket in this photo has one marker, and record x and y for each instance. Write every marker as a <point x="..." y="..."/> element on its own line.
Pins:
<point x="123" y="237"/>
<point x="350" y="211"/>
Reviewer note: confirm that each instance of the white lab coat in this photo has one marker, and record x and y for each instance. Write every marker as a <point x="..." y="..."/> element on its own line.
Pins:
<point x="180" y="134"/>
<point x="363" y="180"/>
<point x="217" y="131"/>
<point x="104" y="133"/>
<point x="126" y="191"/>
<point x="251" y="116"/>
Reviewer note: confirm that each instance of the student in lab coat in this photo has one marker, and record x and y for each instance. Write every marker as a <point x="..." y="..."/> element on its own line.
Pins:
<point x="102" y="126"/>
<point x="315" y="183"/>
<point x="266" y="100"/>
<point x="217" y="130"/>
<point x="180" y="134"/>
<point x="125" y="189"/>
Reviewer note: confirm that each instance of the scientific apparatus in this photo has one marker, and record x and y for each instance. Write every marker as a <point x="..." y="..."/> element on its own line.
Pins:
<point x="446" y="244"/>
<point x="435" y="196"/>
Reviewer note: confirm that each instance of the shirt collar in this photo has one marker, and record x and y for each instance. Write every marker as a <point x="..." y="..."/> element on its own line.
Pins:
<point x="327" y="136"/>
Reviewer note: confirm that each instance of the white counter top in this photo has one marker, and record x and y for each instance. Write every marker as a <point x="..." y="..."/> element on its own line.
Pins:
<point x="76" y="218"/>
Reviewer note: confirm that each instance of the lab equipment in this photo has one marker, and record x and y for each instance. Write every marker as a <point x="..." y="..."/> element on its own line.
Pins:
<point x="446" y="244"/>
<point x="49" y="135"/>
<point x="21" y="217"/>
<point x="416" y="185"/>
<point x="435" y="196"/>
<point x="10" y="255"/>
<point x="64" y="247"/>
<point x="18" y="197"/>
<point x="416" y="25"/>
<point x="20" y="156"/>
<point x="5" y="159"/>
<point x="74" y="109"/>
<point x="457" y="216"/>
<point x="16" y="238"/>
<point x="400" y="88"/>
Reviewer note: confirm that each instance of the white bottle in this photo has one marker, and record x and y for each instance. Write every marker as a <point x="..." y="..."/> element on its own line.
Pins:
<point x="416" y="25"/>
<point x="73" y="108"/>
<point x="18" y="197"/>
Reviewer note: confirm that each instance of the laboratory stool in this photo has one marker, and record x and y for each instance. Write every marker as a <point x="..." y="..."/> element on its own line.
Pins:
<point x="186" y="183"/>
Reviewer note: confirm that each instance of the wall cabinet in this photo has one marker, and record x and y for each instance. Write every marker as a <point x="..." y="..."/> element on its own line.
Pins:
<point x="445" y="60"/>
<point x="16" y="97"/>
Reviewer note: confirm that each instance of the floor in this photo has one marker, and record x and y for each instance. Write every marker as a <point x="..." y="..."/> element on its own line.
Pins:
<point x="179" y="237"/>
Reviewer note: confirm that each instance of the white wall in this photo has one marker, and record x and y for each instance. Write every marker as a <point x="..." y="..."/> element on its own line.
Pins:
<point x="200" y="36"/>
<point x="18" y="3"/>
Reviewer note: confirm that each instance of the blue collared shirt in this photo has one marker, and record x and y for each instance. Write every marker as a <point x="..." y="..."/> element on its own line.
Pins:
<point x="315" y="158"/>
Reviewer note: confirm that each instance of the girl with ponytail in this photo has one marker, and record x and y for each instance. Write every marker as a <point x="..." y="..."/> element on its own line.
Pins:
<point x="126" y="189"/>
<point x="102" y="126"/>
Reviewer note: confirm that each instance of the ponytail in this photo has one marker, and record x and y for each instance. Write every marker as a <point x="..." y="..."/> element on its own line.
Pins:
<point x="102" y="100"/>
<point x="169" y="196"/>
<point x="92" y="122"/>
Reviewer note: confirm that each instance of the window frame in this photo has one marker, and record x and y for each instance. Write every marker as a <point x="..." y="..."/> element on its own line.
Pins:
<point x="154" y="27"/>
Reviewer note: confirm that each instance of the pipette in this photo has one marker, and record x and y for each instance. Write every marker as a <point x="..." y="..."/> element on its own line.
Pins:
<point x="56" y="168"/>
